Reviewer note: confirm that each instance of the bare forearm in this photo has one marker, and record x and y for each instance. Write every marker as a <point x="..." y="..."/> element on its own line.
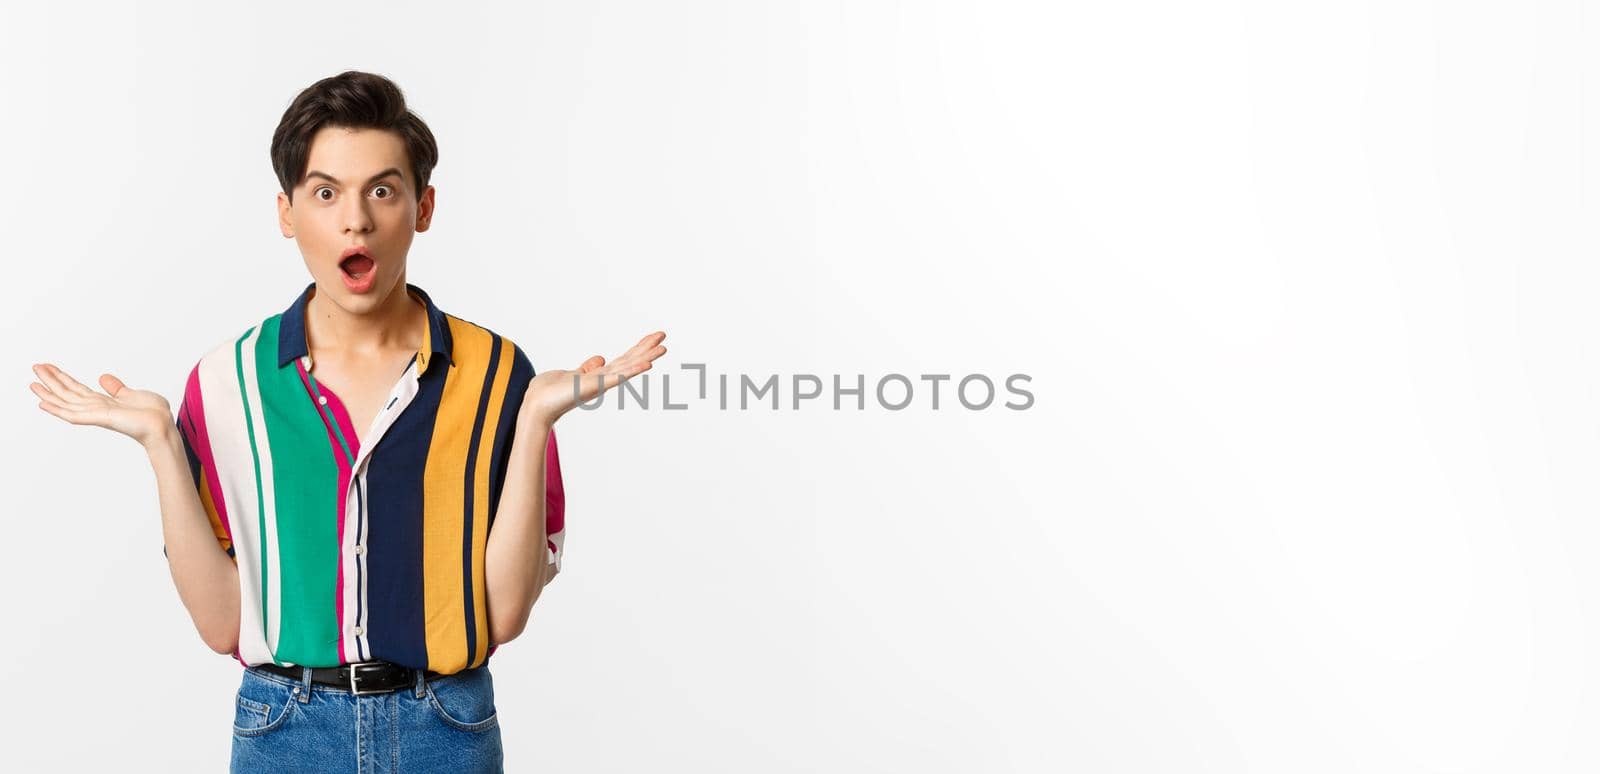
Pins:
<point x="515" y="559"/>
<point x="206" y="577"/>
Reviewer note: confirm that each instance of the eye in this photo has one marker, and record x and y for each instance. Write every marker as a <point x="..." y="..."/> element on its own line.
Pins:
<point x="386" y="189"/>
<point x="318" y="193"/>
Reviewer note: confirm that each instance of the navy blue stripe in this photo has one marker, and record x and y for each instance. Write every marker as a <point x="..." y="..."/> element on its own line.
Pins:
<point x="521" y="373"/>
<point x="471" y="490"/>
<point x="188" y="449"/>
<point x="516" y="388"/>
<point x="396" y="629"/>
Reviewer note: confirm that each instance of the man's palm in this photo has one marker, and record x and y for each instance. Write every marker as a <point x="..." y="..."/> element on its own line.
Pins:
<point x="138" y="414"/>
<point x="551" y="392"/>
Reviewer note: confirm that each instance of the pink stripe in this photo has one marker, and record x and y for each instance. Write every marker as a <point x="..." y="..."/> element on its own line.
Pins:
<point x="342" y="417"/>
<point x="555" y="496"/>
<point x="193" y="424"/>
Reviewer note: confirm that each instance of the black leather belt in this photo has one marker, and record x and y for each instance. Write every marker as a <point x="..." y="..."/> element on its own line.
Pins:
<point x="361" y="679"/>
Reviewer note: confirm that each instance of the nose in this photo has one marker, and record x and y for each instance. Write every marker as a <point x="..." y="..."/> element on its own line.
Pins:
<point x="356" y="218"/>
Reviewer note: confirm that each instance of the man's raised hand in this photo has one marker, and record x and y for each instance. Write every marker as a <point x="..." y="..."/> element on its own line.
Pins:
<point x="139" y="414"/>
<point x="551" y="393"/>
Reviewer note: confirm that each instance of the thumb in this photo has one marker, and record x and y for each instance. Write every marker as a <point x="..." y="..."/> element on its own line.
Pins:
<point x="112" y="384"/>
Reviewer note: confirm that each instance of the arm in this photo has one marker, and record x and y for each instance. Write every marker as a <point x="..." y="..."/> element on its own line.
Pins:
<point x="516" y="561"/>
<point x="513" y="578"/>
<point x="206" y="577"/>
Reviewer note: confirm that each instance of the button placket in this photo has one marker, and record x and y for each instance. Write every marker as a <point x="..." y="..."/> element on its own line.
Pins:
<point x="400" y="396"/>
<point x="406" y="388"/>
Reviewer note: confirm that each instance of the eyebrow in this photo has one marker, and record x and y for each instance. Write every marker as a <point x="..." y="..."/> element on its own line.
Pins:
<point x="375" y="178"/>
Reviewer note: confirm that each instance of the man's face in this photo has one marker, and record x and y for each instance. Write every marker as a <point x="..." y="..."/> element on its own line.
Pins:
<point x="357" y="190"/>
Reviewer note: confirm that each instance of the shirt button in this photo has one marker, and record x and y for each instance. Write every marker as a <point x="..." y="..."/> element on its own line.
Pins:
<point x="358" y="631"/>
<point x="360" y="549"/>
<point x="323" y="399"/>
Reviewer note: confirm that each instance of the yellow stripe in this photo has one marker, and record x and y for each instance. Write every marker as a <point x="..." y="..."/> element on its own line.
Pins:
<point x="444" y="497"/>
<point x="480" y="499"/>
<point x="211" y="511"/>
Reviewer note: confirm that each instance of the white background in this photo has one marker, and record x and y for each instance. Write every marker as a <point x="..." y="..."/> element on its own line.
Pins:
<point x="1304" y="290"/>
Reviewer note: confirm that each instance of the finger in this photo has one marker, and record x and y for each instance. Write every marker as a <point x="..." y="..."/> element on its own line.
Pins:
<point x="650" y="340"/>
<point x="72" y="384"/>
<point x="66" y="414"/>
<point x="644" y="364"/>
<point x="645" y="343"/>
<point x="47" y="375"/>
<point x="45" y="395"/>
<point x="623" y="369"/>
<point x="588" y="366"/>
<point x="632" y="365"/>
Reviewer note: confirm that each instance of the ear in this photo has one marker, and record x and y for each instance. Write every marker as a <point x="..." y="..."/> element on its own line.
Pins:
<point x="425" y="209"/>
<point x="285" y="221"/>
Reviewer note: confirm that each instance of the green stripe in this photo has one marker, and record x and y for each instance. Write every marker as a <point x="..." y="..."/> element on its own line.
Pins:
<point x="305" y="480"/>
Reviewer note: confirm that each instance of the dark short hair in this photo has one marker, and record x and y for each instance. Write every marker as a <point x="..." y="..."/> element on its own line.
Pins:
<point x="353" y="100"/>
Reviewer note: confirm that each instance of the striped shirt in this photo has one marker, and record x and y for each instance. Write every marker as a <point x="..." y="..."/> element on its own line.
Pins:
<point x="356" y="550"/>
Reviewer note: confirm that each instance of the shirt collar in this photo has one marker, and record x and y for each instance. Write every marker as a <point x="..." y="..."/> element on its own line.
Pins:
<point x="292" y="331"/>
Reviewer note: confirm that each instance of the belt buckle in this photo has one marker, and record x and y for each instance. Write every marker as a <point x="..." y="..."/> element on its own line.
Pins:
<point x="355" y="669"/>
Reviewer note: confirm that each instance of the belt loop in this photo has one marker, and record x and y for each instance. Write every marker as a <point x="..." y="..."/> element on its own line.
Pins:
<point x="421" y="680"/>
<point x="305" y="684"/>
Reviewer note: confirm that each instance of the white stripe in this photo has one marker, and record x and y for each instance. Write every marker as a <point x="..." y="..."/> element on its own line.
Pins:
<point x="401" y="394"/>
<point x="351" y="564"/>
<point x="263" y="458"/>
<point x="230" y="447"/>
<point x="357" y="507"/>
<point x="355" y="577"/>
<point x="361" y="567"/>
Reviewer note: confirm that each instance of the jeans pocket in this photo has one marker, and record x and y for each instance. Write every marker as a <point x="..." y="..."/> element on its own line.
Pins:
<point x="262" y="705"/>
<point x="464" y="700"/>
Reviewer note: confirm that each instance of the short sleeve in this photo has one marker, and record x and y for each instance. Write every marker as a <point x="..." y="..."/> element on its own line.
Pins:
<point x="555" y="504"/>
<point x="202" y="465"/>
<point x="555" y="495"/>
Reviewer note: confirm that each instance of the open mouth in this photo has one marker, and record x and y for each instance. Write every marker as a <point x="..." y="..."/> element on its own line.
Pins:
<point x="356" y="266"/>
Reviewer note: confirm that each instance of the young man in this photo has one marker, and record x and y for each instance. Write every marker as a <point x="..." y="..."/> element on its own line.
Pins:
<point x="360" y="495"/>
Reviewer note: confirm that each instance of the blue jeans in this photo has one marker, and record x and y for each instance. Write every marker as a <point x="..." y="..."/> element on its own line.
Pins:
<point x="284" y="725"/>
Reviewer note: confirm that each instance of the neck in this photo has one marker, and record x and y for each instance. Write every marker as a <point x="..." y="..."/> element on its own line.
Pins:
<point x="396" y="322"/>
